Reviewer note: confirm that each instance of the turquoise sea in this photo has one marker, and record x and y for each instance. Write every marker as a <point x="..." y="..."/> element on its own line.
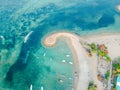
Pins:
<point x="23" y="64"/>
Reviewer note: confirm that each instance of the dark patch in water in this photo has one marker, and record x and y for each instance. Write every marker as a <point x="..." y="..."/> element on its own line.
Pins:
<point x="106" y="20"/>
<point x="27" y="48"/>
<point x="19" y="65"/>
<point x="82" y="16"/>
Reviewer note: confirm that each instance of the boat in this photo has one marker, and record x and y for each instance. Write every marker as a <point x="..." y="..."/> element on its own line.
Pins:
<point x="31" y="87"/>
<point x="42" y="88"/>
<point x="27" y="36"/>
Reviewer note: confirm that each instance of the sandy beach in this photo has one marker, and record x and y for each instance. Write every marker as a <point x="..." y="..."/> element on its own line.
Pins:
<point x="118" y="7"/>
<point x="85" y="68"/>
<point x="112" y="41"/>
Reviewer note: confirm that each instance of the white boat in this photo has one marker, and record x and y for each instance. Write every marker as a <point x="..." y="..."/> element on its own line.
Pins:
<point x="44" y="54"/>
<point x="27" y="36"/>
<point x="42" y="88"/>
<point x="68" y="55"/>
<point x="31" y="87"/>
<point x="3" y="39"/>
<point x="63" y="61"/>
<point x="70" y="63"/>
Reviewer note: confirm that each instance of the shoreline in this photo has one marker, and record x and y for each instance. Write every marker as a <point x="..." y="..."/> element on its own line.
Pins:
<point x="73" y="40"/>
<point x="75" y="43"/>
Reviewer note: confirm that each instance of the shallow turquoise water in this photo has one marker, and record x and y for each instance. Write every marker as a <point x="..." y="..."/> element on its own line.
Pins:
<point x="45" y="68"/>
<point x="52" y="57"/>
<point x="23" y="64"/>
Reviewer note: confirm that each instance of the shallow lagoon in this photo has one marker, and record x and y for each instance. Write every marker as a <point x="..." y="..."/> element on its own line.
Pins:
<point x="18" y="18"/>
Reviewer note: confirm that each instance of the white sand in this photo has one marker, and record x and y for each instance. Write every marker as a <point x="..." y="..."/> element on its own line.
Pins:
<point x="113" y="44"/>
<point x="81" y="59"/>
<point x="118" y="7"/>
<point x="112" y="41"/>
<point x="94" y="73"/>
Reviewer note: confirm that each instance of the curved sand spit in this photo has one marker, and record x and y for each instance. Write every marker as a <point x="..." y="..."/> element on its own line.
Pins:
<point x="112" y="41"/>
<point x="74" y="41"/>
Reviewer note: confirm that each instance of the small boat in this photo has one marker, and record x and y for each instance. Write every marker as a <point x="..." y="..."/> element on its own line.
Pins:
<point x="42" y="88"/>
<point x="44" y="54"/>
<point x="27" y="36"/>
<point x="31" y="87"/>
<point x="70" y="63"/>
<point x="68" y="55"/>
<point x="63" y="61"/>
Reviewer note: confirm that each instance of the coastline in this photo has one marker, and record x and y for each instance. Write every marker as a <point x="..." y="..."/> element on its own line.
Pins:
<point x="76" y="44"/>
<point x="77" y="50"/>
